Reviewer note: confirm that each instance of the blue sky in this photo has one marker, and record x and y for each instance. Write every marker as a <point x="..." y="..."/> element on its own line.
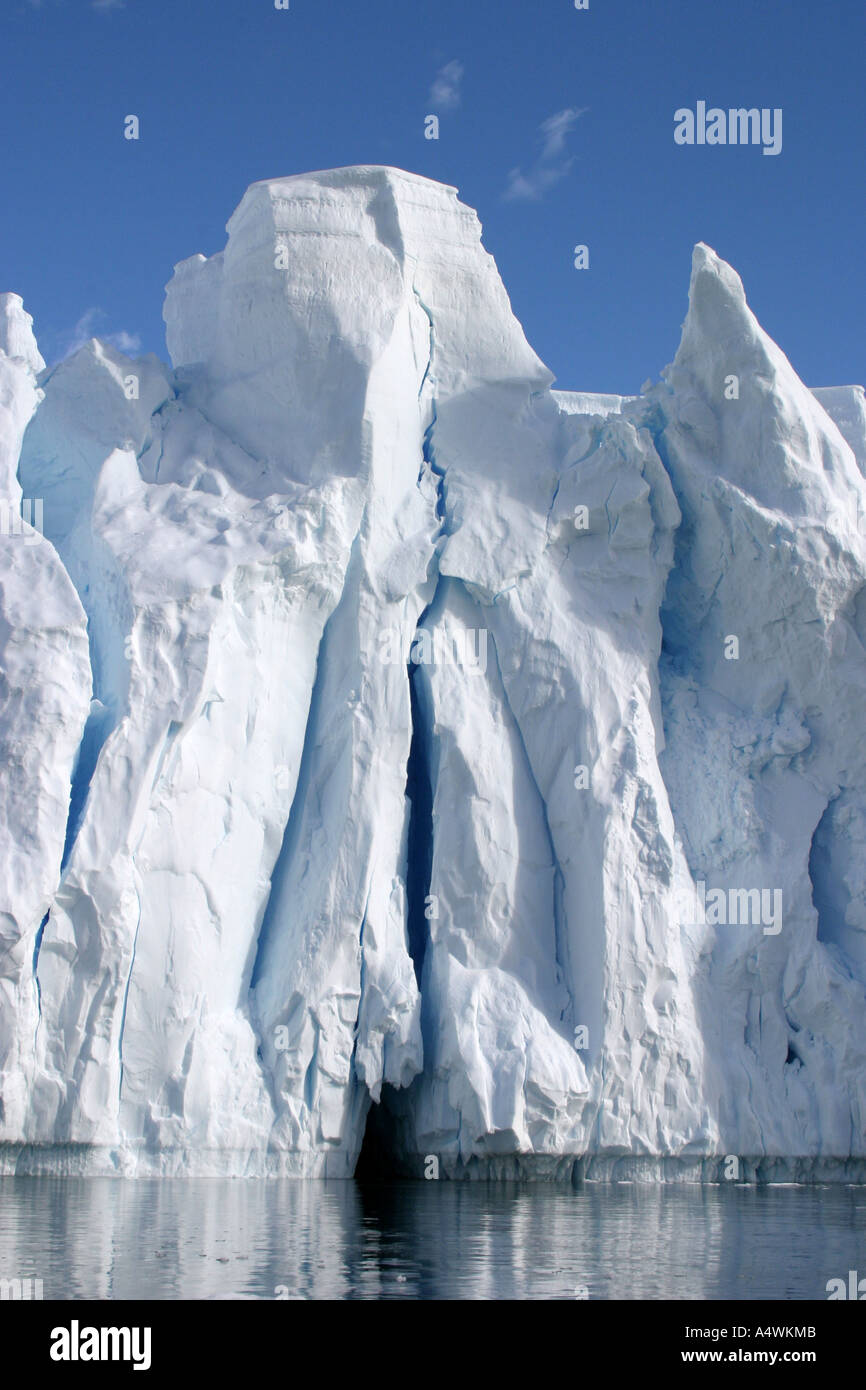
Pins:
<point x="556" y="124"/>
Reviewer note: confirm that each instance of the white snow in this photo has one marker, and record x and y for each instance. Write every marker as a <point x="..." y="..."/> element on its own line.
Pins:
<point x="303" y="876"/>
<point x="846" y="406"/>
<point x="589" y="402"/>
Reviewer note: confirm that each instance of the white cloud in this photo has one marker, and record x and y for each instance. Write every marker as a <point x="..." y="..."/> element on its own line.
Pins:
<point x="130" y="343"/>
<point x="445" y="92"/>
<point x="535" y="184"/>
<point x="555" y="129"/>
<point x="551" y="164"/>
<point x="85" y="329"/>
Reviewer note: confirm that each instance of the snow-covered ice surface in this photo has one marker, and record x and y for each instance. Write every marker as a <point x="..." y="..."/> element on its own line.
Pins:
<point x="390" y="741"/>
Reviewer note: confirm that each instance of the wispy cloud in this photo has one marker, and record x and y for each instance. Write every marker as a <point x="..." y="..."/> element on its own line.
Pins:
<point x="556" y="128"/>
<point x="86" y="328"/>
<point x="552" y="162"/>
<point x="445" y="92"/>
<point x="535" y="184"/>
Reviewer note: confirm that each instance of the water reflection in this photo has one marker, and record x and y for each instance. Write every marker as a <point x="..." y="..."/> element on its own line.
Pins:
<point x="234" y="1239"/>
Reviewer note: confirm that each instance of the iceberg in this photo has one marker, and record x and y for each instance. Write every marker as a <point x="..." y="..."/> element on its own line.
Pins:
<point x="401" y="755"/>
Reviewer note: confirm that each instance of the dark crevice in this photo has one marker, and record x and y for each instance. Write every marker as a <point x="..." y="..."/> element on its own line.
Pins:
<point x="387" y="1140"/>
<point x="37" y="947"/>
<point x="830" y="859"/>
<point x="678" y="646"/>
<point x="99" y="725"/>
<point x="388" y="1131"/>
<point x="419" y="862"/>
<point x="825" y="895"/>
<point x="428" y="453"/>
<point x="419" y="773"/>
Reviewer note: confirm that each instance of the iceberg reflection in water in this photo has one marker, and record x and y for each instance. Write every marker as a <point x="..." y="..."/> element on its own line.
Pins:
<point x="229" y="1239"/>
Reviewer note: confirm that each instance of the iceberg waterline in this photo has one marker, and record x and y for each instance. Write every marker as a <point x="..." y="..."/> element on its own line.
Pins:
<point x="260" y="877"/>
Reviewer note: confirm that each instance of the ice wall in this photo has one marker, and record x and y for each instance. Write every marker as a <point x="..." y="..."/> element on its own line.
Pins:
<point x="395" y="744"/>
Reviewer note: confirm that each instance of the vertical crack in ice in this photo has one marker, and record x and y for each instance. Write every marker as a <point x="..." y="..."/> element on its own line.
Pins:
<point x="676" y="648"/>
<point x="362" y="981"/>
<point x="310" y="1073"/>
<point x="37" y="947"/>
<point x="419" y="850"/>
<point x="419" y="783"/>
<point x="291" y="833"/>
<point x="820" y="875"/>
<point x="610" y="529"/>
<point x="126" y="998"/>
<point x="109" y="661"/>
<point x="570" y="468"/>
<point x="550" y="508"/>
<point x="428" y="453"/>
<point x="419" y="777"/>
<point x="97" y="729"/>
<point x="560" y="922"/>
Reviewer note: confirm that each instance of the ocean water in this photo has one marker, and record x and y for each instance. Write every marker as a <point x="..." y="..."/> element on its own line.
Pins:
<point x="216" y="1238"/>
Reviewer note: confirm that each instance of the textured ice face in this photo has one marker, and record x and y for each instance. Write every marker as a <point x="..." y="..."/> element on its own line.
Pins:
<point x="281" y="331"/>
<point x="383" y="728"/>
<point x="846" y="406"/>
<point x="44" y="700"/>
<point x="16" y="333"/>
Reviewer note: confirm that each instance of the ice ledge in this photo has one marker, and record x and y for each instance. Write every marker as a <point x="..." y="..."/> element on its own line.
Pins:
<point x="112" y="1161"/>
<point x="83" y="1160"/>
<point x="358" y="175"/>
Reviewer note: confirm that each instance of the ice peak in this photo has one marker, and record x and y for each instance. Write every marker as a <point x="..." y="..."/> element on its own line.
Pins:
<point x="16" y="332"/>
<point x="324" y="277"/>
<point x="720" y="332"/>
<point x="715" y="286"/>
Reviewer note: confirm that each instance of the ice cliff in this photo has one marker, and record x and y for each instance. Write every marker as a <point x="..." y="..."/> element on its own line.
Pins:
<point x="394" y="745"/>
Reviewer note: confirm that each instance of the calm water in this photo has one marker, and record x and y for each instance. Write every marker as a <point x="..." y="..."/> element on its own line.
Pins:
<point x="233" y="1239"/>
